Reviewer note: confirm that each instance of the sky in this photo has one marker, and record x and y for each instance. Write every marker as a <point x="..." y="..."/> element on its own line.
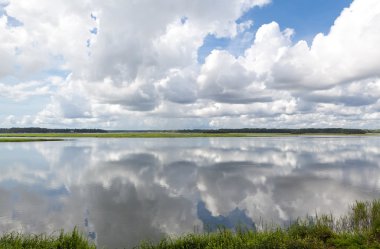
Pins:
<point x="166" y="64"/>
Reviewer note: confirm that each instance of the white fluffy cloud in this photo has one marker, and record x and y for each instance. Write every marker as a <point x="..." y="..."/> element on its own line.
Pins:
<point x="129" y="61"/>
<point x="346" y="54"/>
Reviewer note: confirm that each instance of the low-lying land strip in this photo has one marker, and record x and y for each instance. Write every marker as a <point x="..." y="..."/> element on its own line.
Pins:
<point x="141" y="135"/>
<point x="358" y="229"/>
<point x="167" y="135"/>
<point x="245" y="132"/>
<point x="26" y="139"/>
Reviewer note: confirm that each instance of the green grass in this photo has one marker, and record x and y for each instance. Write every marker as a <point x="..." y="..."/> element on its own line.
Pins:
<point x="165" y="135"/>
<point x="62" y="241"/>
<point x="22" y="139"/>
<point x="360" y="228"/>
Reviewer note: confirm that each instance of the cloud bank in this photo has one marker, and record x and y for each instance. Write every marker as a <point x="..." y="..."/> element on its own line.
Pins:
<point x="135" y="65"/>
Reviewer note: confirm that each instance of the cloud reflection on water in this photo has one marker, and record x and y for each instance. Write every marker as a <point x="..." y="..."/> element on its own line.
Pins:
<point x="125" y="190"/>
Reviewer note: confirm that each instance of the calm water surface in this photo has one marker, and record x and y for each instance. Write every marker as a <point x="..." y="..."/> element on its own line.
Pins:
<point x="121" y="191"/>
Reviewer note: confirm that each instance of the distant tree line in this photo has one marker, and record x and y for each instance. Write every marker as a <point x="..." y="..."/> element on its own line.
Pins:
<point x="291" y="131"/>
<point x="373" y="131"/>
<point x="46" y="130"/>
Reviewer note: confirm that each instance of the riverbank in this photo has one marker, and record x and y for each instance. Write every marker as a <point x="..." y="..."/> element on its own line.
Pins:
<point x="360" y="228"/>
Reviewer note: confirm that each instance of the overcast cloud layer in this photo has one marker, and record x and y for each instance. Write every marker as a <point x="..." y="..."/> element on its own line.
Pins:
<point x="134" y="65"/>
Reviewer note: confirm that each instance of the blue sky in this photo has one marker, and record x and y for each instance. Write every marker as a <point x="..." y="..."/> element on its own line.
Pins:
<point x="306" y="17"/>
<point x="198" y="64"/>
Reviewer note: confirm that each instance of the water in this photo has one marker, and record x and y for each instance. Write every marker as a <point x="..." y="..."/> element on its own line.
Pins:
<point x="121" y="191"/>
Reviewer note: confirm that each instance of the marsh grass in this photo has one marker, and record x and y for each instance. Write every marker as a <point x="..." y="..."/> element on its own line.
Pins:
<point x="70" y="240"/>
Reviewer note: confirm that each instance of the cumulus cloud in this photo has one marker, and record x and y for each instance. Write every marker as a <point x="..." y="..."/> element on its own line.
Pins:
<point x="348" y="52"/>
<point x="179" y="87"/>
<point x="223" y="79"/>
<point x="140" y="60"/>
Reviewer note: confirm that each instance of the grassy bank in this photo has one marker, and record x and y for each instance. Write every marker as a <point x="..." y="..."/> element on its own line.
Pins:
<point x="166" y="135"/>
<point x="25" y="139"/>
<point x="358" y="229"/>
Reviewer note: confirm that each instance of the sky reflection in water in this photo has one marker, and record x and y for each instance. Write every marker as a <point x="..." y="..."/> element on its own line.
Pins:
<point x="121" y="191"/>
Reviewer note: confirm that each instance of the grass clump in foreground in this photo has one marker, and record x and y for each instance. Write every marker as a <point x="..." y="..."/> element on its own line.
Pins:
<point x="359" y="229"/>
<point x="62" y="241"/>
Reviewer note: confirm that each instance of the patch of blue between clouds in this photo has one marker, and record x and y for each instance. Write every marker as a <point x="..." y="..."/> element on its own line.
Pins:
<point x="307" y="18"/>
<point x="11" y="21"/>
<point x="94" y="31"/>
<point x="2" y="11"/>
<point x="183" y="19"/>
<point x="39" y="76"/>
<point x="93" y="17"/>
<point x="210" y="43"/>
<point x="54" y="72"/>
